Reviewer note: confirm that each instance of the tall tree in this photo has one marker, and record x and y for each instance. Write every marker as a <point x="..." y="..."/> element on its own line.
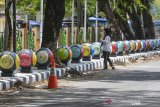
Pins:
<point x="155" y="9"/>
<point x="117" y="17"/>
<point x="8" y="25"/>
<point x="104" y="6"/>
<point x="54" y="14"/>
<point x="147" y="20"/>
<point x="80" y="12"/>
<point x="135" y="18"/>
<point x="124" y="26"/>
<point x="118" y="12"/>
<point x="121" y="16"/>
<point x="2" y="3"/>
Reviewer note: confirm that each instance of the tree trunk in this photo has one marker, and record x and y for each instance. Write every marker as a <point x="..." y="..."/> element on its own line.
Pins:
<point x="104" y="6"/>
<point x="123" y="23"/>
<point x="54" y="14"/>
<point x="136" y="24"/>
<point x="147" y="21"/>
<point x="80" y="16"/>
<point x="80" y="12"/>
<point x="148" y="25"/>
<point x="8" y="26"/>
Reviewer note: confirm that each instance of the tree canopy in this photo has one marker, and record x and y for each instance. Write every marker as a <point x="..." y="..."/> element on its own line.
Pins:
<point x="155" y="10"/>
<point x="29" y="7"/>
<point x="2" y="3"/>
<point x="118" y="12"/>
<point x="137" y="12"/>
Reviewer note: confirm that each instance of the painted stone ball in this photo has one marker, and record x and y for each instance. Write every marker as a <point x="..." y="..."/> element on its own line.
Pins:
<point x="114" y="47"/>
<point x="77" y="51"/>
<point x="143" y="44"/>
<point x="88" y="49"/>
<point x="158" y="43"/>
<point x="133" y="45"/>
<point x="97" y="48"/>
<point x="127" y="45"/>
<point x="64" y="53"/>
<point x="43" y="56"/>
<point x="9" y="61"/>
<point x="27" y="58"/>
<point x="120" y="46"/>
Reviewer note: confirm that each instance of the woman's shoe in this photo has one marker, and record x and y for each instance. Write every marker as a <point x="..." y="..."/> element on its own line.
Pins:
<point x="113" y="67"/>
<point x="105" y="68"/>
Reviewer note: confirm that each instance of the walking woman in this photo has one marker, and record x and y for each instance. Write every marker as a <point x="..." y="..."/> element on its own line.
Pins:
<point x="106" y="48"/>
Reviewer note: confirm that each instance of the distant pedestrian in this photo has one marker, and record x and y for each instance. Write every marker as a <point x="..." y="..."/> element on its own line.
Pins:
<point x="106" y="48"/>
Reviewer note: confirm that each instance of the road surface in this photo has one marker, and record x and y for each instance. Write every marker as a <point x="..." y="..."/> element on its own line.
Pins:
<point x="136" y="85"/>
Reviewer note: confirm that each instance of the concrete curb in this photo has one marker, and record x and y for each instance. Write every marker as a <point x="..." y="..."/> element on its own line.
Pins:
<point x="84" y="67"/>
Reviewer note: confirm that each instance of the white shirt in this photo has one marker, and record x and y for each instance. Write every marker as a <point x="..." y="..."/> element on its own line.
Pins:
<point x="106" y="44"/>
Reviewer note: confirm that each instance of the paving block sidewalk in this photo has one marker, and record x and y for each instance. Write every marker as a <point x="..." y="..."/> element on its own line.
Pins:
<point x="84" y="66"/>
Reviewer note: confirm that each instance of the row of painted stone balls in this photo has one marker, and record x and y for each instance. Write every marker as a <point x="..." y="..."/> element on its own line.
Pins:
<point x="88" y="51"/>
<point x="9" y="61"/>
<point x="25" y="59"/>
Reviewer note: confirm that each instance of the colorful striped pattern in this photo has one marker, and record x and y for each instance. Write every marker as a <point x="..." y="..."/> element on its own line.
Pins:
<point x="84" y="66"/>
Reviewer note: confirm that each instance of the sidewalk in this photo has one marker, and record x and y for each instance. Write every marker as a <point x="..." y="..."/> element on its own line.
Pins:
<point x="84" y="66"/>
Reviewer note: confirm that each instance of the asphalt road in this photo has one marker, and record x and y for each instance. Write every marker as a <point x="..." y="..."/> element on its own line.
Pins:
<point x="132" y="86"/>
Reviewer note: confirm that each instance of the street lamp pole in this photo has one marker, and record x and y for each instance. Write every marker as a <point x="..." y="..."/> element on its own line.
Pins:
<point x="96" y="21"/>
<point x="72" y="31"/>
<point x="85" y="21"/>
<point x="41" y="21"/>
<point x="14" y="25"/>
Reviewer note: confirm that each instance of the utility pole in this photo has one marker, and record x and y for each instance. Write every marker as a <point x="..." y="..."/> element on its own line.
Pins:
<point x="14" y="26"/>
<point x="85" y="21"/>
<point x="41" y="22"/>
<point x="96" y="21"/>
<point x="72" y="28"/>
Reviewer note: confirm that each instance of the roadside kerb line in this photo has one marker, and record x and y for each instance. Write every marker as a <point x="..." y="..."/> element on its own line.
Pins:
<point x="84" y="67"/>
